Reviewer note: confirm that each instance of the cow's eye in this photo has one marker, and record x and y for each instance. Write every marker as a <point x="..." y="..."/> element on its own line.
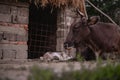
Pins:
<point x="76" y="29"/>
<point x="76" y="26"/>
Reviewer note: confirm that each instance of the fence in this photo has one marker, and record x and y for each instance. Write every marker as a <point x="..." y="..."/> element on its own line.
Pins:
<point x="41" y="38"/>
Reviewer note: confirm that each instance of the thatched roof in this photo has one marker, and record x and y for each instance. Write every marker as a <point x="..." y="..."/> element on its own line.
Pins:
<point x="59" y="3"/>
<point x="63" y="3"/>
<point x="56" y="3"/>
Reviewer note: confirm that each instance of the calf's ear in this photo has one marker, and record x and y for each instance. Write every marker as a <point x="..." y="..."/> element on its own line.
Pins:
<point x="93" y="20"/>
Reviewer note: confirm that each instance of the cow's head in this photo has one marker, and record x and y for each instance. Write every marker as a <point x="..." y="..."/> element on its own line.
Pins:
<point x="79" y="31"/>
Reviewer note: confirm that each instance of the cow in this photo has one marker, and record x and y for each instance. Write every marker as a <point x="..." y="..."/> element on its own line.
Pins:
<point x="99" y="36"/>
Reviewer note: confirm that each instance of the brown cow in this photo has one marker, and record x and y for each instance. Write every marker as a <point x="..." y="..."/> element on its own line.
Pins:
<point x="98" y="36"/>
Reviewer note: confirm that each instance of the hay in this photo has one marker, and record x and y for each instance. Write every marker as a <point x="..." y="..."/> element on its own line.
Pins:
<point x="60" y="3"/>
<point x="80" y="4"/>
<point x="56" y="3"/>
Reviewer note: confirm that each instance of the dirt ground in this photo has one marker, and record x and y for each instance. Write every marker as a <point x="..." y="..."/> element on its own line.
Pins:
<point x="20" y="69"/>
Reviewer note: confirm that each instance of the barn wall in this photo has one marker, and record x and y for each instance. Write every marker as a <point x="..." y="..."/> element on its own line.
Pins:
<point x="13" y="30"/>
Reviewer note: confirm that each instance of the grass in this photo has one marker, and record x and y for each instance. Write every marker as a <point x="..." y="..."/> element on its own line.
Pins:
<point x="79" y="57"/>
<point x="40" y="74"/>
<point x="108" y="72"/>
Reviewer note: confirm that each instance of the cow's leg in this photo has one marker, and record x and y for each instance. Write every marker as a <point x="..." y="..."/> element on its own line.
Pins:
<point x="88" y="54"/>
<point x="97" y="53"/>
<point x="78" y="51"/>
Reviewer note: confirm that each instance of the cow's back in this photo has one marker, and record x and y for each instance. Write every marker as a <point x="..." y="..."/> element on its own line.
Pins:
<point x="106" y="36"/>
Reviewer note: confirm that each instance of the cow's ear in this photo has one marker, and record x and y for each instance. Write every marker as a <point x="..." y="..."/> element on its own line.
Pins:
<point x="93" y="20"/>
<point x="84" y="20"/>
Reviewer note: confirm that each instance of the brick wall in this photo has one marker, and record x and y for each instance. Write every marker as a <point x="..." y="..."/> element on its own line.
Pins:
<point x="13" y="30"/>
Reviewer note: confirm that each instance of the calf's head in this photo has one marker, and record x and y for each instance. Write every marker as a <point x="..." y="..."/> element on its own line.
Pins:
<point x="79" y="31"/>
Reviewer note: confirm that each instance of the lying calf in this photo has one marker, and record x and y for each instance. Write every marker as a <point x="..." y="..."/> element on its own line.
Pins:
<point x="60" y="56"/>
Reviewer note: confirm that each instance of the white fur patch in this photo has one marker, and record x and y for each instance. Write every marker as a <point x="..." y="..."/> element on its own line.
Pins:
<point x="61" y="56"/>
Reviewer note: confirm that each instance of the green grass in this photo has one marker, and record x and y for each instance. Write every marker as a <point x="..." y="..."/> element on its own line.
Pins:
<point x="108" y="72"/>
<point x="79" y="57"/>
<point x="40" y="74"/>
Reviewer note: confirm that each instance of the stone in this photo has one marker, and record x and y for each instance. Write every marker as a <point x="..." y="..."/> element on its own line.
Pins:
<point x="5" y="46"/>
<point x="6" y="36"/>
<point x="23" y="12"/>
<point x="11" y="51"/>
<point x="1" y="35"/>
<point x="14" y="18"/>
<point x="14" y="10"/>
<point x="12" y="37"/>
<point x="13" y="30"/>
<point x="1" y="54"/>
<point x="60" y="33"/>
<point x="9" y="54"/>
<point x="22" y="19"/>
<point x="59" y="46"/>
<point x="61" y="25"/>
<point x="22" y="38"/>
<point x="5" y="9"/>
<point x="21" y="51"/>
<point x="5" y="17"/>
